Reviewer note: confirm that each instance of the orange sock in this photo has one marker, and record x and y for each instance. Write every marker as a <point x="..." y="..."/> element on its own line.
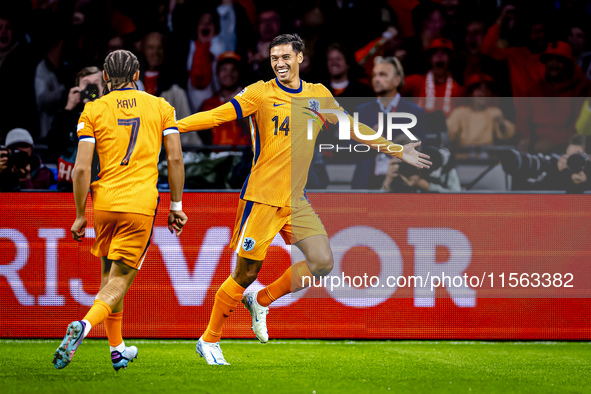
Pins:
<point x="113" y="328"/>
<point x="98" y="313"/>
<point x="290" y="281"/>
<point x="226" y="299"/>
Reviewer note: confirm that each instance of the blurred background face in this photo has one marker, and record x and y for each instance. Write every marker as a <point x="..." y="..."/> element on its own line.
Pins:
<point x="5" y="34"/>
<point x="115" y="43"/>
<point x="480" y="95"/>
<point x="555" y="67"/>
<point x="394" y="167"/>
<point x="96" y="79"/>
<point x="384" y="78"/>
<point x="475" y="32"/>
<point x="269" y="25"/>
<point x="576" y="39"/>
<point x="451" y="7"/>
<point x="205" y="28"/>
<point x="336" y="63"/>
<point x="538" y="36"/>
<point x="434" y="23"/>
<point x="572" y="149"/>
<point x="153" y="50"/>
<point x="440" y="59"/>
<point x="228" y="75"/>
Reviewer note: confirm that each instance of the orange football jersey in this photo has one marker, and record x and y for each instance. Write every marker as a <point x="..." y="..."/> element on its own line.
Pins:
<point x="283" y="149"/>
<point x="127" y="126"/>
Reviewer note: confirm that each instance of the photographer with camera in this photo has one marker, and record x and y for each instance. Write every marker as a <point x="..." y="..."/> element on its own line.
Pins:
<point x="570" y="172"/>
<point x="62" y="139"/>
<point x="19" y="168"/>
<point x="441" y="177"/>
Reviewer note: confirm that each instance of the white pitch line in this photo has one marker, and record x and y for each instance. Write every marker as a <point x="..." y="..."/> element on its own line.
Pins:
<point x="315" y="342"/>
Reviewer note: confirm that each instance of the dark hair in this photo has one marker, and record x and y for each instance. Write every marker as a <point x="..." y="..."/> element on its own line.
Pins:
<point x="422" y="12"/>
<point x="579" y="140"/>
<point x="296" y="42"/>
<point x="120" y="66"/>
<point x="86" y="71"/>
<point x="347" y="54"/>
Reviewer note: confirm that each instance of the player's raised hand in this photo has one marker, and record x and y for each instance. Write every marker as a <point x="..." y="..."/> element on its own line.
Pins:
<point x="79" y="228"/>
<point x="176" y="221"/>
<point x="413" y="157"/>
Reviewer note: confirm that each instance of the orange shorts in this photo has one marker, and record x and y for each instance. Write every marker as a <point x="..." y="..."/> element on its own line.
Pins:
<point x="257" y="224"/>
<point x="122" y="236"/>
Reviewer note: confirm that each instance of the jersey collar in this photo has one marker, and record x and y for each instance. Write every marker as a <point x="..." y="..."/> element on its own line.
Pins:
<point x="288" y="90"/>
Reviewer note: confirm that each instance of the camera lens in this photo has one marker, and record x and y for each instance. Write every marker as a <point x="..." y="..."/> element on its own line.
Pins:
<point x="577" y="162"/>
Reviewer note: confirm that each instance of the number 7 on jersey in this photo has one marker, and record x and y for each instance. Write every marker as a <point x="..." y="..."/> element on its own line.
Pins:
<point x="135" y="127"/>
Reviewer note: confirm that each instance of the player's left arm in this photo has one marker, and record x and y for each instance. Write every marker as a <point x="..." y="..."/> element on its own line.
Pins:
<point x="81" y="173"/>
<point x="208" y="119"/>
<point x="241" y="106"/>
<point x="81" y="180"/>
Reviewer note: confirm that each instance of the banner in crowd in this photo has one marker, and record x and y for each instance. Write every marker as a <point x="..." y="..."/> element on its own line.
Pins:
<point x="407" y="266"/>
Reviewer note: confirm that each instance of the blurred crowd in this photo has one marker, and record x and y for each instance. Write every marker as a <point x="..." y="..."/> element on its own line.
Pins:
<point x="480" y="75"/>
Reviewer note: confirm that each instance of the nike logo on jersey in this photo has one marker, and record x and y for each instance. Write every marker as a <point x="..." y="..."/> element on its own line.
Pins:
<point x="277" y="105"/>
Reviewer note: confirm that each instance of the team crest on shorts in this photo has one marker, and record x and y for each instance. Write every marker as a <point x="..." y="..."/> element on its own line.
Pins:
<point x="248" y="244"/>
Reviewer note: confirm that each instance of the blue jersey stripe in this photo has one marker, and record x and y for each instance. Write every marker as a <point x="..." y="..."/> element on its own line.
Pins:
<point x="245" y="215"/>
<point x="237" y="107"/>
<point x="289" y="90"/>
<point x="257" y="150"/>
<point x="243" y="191"/>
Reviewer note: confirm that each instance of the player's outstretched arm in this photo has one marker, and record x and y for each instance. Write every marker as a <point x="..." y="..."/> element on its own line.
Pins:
<point x="81" y="180"/>
<point x="208" y="119"/>
<point x="413" y="157"/>
<point x="176" y="180"/>
<point x="407" y="153"/>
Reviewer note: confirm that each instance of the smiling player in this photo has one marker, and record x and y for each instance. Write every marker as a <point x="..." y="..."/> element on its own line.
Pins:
<point x="272" y="199"/>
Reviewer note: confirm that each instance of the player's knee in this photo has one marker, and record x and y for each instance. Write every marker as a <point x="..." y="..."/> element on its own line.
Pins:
<point x="250" y="276"/>
<point x="322" y="264"/>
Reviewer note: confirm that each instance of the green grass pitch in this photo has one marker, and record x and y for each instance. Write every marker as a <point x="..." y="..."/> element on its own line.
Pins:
<point x="297" y="366"/>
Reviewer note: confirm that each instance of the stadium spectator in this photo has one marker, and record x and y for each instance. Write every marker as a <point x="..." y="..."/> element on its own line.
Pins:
<point x="482" y="122"/>
<point x="442" y="177"/>
<point x="546" y="119"/>
<point x="230" y="133"/>
<point x="524" y="66"/>
<point x="19" y="160"/>
<point x="388" y="78"/>
<point x="437" y="88"/>
<point x="572" y="171"/>
<point x="159" y="78"/>
<point x="49" y="89"/>
<point x="472" y="61"/>
<point x="578" y="41"/>
<point x="370" y="19"/>
<point x="17" y="71"/>
<point x="269" y="26"/>
<point x="62" y="139"/>
<point x="428" y="21"/>
<point x="340" y="65"/>
<point x="204" y="47"/>
<point x="388" y="44"/>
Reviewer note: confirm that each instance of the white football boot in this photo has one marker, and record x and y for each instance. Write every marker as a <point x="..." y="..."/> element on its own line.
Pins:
<point x="211" y="352"/>
<point x="259" y="316"/>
